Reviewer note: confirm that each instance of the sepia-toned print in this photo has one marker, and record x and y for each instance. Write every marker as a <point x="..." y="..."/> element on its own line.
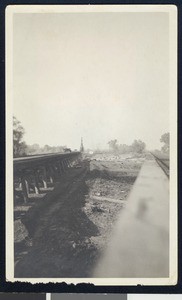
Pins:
<point x="91" y="193"/>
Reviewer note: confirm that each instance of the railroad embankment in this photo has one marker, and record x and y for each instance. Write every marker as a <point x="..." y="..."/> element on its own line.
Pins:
<point x="63" y="233"/>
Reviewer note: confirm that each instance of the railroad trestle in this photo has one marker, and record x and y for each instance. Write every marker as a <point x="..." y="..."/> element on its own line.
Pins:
<point x="32" y="174"/>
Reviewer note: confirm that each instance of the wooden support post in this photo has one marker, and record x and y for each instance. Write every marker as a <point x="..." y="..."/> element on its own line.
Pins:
<point x="55" y="170"/>
<point x="24" y="188"/>
<point x="27" y="186"/>
<point x="59" y="168"/>
<point x="44" y="180"/>
<point x="71" y="163"/>
<point x="14" y="191"/>
<point x="63" y="166"/>
<point x="50" y="174"/>
<point x="36" y="178"/>
<point x="68" y="163"/>
<point x="44" y="184"/>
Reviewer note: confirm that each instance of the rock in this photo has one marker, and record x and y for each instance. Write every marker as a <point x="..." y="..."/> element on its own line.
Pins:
<point x="20" y="231"/>
<point x="97" y="209"/>
<point x="97" y="194"/>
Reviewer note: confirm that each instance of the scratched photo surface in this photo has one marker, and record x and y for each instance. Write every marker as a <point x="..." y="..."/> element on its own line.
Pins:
<point x="91" y="110"/>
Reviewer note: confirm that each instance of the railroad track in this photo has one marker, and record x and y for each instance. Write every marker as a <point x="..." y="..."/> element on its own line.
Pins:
<point x="163" y="162"/>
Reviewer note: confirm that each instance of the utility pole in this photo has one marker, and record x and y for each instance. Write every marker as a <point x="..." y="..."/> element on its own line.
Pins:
<point x="81" y="146"/>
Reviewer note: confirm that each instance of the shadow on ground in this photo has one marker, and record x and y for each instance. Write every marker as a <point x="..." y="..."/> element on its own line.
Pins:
<point x="60" y="231"/>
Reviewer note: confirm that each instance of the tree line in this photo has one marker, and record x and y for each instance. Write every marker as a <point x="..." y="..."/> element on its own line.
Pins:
<point x="20" y="148"/>
<point x="138" y="146"/>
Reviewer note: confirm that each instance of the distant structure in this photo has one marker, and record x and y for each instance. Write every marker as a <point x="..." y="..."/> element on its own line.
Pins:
<point x="67" y="150"/>
<point x="81" y="146"/>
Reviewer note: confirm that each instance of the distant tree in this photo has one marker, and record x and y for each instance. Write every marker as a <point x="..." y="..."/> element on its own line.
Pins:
<point x="113" y="145"/>
<point x="47" y="149"/>
<point x="34" y="149"/>
<point x="157" y="151"/>
<point x="61" y="148"/>
<point x="165" y="138"/>
<point x="19" y="146"/>
<point x="123" y="148"/>
<point x="138" y="146"/>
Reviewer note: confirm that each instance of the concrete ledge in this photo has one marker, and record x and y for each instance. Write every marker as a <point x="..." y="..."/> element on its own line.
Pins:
<point x="139" y="247"/>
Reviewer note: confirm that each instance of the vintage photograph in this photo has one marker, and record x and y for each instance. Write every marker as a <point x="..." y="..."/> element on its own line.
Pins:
<point x="91" y="144"/>
<point x="24" y="296"/>
<point x="87" y="296"/>
<point x="154" y="297"/>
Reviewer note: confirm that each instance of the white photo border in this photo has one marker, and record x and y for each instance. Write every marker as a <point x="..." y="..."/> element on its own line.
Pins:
<point x="172" y="11"/>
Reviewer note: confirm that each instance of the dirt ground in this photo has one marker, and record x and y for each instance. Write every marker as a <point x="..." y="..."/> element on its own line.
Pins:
<point x="63" y="233"/>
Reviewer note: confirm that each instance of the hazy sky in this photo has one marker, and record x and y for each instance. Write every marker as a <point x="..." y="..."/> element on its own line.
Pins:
<point x="99" y="76"/>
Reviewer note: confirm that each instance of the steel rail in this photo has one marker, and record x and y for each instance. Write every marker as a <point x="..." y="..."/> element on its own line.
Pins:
<point x="163" y="162"/>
